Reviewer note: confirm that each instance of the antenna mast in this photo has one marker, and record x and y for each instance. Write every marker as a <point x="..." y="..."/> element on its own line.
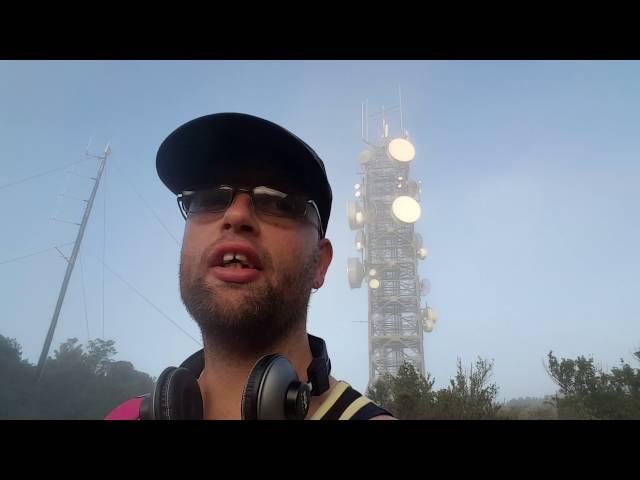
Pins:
<point x="71" y="261"/>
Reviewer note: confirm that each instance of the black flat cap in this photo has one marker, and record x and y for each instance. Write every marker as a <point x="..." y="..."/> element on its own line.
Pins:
<point x="236" y="147"/>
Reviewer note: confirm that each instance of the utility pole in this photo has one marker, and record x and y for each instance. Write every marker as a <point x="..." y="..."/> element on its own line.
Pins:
<point x="71" y="262"/>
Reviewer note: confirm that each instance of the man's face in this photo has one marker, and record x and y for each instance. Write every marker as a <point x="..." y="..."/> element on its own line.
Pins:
<point x="248" y="310"/>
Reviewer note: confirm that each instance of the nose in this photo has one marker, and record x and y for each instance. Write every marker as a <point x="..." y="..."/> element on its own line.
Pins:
<point x="240" y="216"/>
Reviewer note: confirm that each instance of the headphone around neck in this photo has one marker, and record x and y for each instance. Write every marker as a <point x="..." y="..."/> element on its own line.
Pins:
<point x="273" y="390"/>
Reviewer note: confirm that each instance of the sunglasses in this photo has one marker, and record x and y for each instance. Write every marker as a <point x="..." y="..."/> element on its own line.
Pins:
<point x="265" y="200"/>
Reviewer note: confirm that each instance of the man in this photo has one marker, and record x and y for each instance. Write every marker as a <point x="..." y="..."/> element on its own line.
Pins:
<point x="256" y="200"/>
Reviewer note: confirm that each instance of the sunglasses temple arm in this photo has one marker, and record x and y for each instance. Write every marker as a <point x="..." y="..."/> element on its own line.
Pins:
<point x="178" y="198"/>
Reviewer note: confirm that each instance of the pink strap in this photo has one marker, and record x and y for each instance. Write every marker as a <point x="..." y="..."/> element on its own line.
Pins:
<point x="129" y="410"/>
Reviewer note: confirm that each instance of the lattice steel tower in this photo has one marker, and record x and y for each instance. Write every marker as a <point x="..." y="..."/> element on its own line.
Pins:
<point x="386" y="208"/>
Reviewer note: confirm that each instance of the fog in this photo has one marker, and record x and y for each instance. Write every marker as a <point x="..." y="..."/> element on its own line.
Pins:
<point x="529" y="174"/>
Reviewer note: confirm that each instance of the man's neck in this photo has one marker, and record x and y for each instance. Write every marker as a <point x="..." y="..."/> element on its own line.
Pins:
<point x="225" y="375"/>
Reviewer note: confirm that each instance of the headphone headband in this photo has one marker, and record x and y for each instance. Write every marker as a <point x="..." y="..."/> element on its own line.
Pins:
<point x="273" y="389"/>
<point x="318" y="371"/>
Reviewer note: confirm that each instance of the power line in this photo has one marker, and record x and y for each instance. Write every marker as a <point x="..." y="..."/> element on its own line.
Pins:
<point x="33" y="254"/>
<point x="104" y="239"/>
<point x="40" y="174"/>
<point x="148" y="301"/>
<point x="84" y="297"/>
<point x="151" y="210"/>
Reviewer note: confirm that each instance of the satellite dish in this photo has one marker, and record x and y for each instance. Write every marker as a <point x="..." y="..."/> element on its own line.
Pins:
<point x="428" y="326"/>
<point x="359" y="240"/>
<point x="401" y="150"/>
<point x="365" y="156"/>
<point x="406" y="209"/>
<point x="374" y="283"/>
<point x="429" y="318"/>
<point x="355" y="272"/>
<point x="423" y="253"/>
<point x="354" y="215"/>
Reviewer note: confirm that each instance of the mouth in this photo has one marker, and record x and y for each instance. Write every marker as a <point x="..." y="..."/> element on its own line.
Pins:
<point x="235" y="263"/>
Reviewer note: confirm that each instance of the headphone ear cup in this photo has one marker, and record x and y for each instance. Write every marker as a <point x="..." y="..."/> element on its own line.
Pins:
<point x="297" y="401"/>
<point x="250" y="394"/>
<point x="177" y="396"/>
<point x="267" y="389"/>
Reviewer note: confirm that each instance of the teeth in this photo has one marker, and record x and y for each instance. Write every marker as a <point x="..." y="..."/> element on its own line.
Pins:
<point x="239" y="257"/>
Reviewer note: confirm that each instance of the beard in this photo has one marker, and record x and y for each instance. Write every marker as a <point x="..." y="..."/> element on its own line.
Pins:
<point x="248" y="319"/>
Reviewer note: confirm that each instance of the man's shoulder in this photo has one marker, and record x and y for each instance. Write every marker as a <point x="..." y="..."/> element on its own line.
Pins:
<point x="383" y="417"/>
<point x="343" y="402"/>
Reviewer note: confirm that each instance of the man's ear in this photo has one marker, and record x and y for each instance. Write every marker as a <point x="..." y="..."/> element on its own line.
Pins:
<point x="324" y="260"/>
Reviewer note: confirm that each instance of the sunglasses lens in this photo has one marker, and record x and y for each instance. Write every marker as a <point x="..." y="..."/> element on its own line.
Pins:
<point x="213" y="200"/>
<point x="273" y="202"/>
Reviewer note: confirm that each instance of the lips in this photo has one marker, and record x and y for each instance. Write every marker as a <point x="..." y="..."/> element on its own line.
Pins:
<point x="235" y="274"/>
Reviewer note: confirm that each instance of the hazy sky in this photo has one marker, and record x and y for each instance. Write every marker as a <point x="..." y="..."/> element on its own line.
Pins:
<point x="529" y="175"/>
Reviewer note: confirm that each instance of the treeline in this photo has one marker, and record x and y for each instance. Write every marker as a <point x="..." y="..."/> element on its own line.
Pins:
<point x="86" y="383"/>
<point x="586" y="392"/>
<point x="76" y="384"/>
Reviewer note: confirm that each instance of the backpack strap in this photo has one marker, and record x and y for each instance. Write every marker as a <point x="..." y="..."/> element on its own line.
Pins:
<point x="129" y="410"/>
<point x="369" y="411"/>
<point x="345" y="403"/>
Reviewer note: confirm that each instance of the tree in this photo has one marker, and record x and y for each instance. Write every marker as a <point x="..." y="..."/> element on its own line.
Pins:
<point x="470" y="395"/>
<point x="75" y="384"/>
<point x="99" y="355"/>
<point x="16" y="394"/>
<point x="408" y="395"/>
<point x="587" y="392"/>
<point x="62" y="390"/>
